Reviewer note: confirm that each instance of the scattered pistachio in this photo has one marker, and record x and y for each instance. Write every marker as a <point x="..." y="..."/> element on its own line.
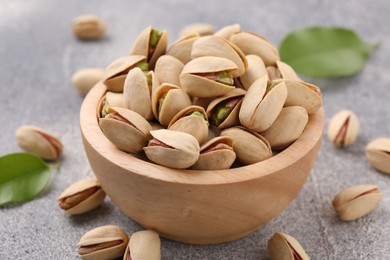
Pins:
<point x="343" y="128"/>
<point x="143" y="245"/>
<point x="378" y="154"/>
<point x="88" y="27"/>
<point x="284" y="246"/>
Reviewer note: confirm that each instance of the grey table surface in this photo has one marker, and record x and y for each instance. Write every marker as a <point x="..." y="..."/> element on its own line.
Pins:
<point x="39" y="54"/>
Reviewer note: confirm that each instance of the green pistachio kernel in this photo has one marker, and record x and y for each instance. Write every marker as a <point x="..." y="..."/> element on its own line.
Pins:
<point x="155" y="36"/>
<point x="225" y="78"/>
<point x="149" y="79"/>
<point x="105" y="110"/>
<point x="271" y="85"/>
<point x="143" y="65"/>
<point x="197" y="113"/>
<point x="221" y="112"/>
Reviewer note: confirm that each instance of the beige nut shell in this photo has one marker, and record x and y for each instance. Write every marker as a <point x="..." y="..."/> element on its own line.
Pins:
<point x="378" y="154"/>
<point x="144" y="245"/>
<point x="343" y="128"/>
<point x="181" y="49"/>
<point x="88" y="27"/>
<point x="284" y="246"/>
<point x="168" y="70"/>
<point x="228" y="30"/>
<point x="255" y="70"/>
<point x="203" y="29"/>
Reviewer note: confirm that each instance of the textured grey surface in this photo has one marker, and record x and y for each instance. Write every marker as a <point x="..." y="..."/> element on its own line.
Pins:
<point x="38" y="55"/>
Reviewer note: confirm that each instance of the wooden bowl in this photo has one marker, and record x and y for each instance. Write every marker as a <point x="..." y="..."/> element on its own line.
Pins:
<point x="198" y="207"/>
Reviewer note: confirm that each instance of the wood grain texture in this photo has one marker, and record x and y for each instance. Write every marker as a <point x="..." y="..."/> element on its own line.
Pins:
<point x="199" y="207"/>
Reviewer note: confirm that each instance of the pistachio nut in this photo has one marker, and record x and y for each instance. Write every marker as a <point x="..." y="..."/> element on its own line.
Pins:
<point x="255" y="70"/>
<point x="302" y="94"/>
<point x="84" y="79"/>
<point x="216" y="154"/>
<point x="378" y="154"/>
<point x="287" y="128"/>
<point x="105" y="242"/>
<point x="220" y="47"/>
<point x="82" y="196"/>
<point x="150" y="43"/>
<point x="357" y="201"/>
<point x="126" y="129"/>
<point x="262" y="104"/>
<point x="88" y="27"/>
<point x="143" y="245"/>
<point x="191" y="120"/>
<point x="110" y="99"/>
<point x="117" y="71"/>
<point x="167" y="101"/>
<point x="223" y="111"/>
<point x="227" y="31"/>
<point x="343" y="128"/>
<point x="250" y="147"/>
<point x="37" y="141"/>
<point x="168" y="70"/>
<point x="284" y="246"/>
<point x="172" y="149"/>
<point x="202" y="29"/>
<point x="251" y="43"/>
<point x="181" y="49"/>
<point x="281" y="71"/>
<point x="208" y="76"/>
<point x="137" y="92"/>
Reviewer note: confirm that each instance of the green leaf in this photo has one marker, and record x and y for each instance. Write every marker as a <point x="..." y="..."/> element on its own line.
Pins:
<point x="23" y="176"/>
<point x="325" y="52"/>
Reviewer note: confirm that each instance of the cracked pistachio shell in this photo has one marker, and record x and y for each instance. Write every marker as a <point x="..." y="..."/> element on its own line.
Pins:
<point x="220" y="47"/>
<point x="143" y="245"/>
<point x="174" y="149"/>
<point x="84" y="79"/>
<point x="141" y="46"/>
<point x="137" y="93"/>
<point x="343" y="128"/>
<point x="194" y="125"/>
<point x="260" y="107"/>
<point x="105" y="242"/>
<point x="81" y="197"/>
<point x="251" y="43"/>
<point x="302" y="94"/>
<point x="232" y="118"/>
<point x="202" y="29"/>
<point x="39" y="142"/>
<point x="168" y="70"/>
<point x="255" y="70"/>
<point x="250" y="147"/>
<point x="287" y="128"/>
<point x="110" y="99"/>
<point x="281" y="71"/>
<point x="227" y="31"/>
<point x="130" y="136"/>
<point x="216" y="154"/>
<point x="199" y="86"/>
<point x="284" y="246"/>
<point x="116" y="72"/>
<point x="175" y="100"/>
<point x="181" y="49"/>
<point x="357" y="201"/>
<point x="378" y="154"/>
<point x="88" y="27"/>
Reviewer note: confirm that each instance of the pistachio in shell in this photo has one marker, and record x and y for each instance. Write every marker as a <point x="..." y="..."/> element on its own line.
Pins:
<point x="228" y="30"/>
<point x="143" y="245"/>
<point x="168" y="70"/>
<point x="287" y="128"/>
<point x="181" y="49"/>
<point x="250" y="147"/>
<point x="84" y="79"/>
<point x="378" y="154"/>
<point x="39" y="142"/>
<point x="251" y="43"/>
<point x="284" y="246"/>
<point x="255" y="70"/>
<point x="192" y="120"/>
<point x="126" y="129"/>
<point x="167" y="101"/>
<point x="105" y="242"/>
<point x="281" y="71"/>
<point x="223" y="111"/>
<point x="220" y="47"/>
<point x="203" y="29"/>
<point x="110" y="99"/>
<point x="88" y="27"/>
<point x="208" y="76"/>
<point x="150" y="43"/>
<point x="172" y="149"/>
<point x="81" y="197"/>
<point x="262" y="104"/>
<point x="216" y="154"/>
<point x="343" y="128"/>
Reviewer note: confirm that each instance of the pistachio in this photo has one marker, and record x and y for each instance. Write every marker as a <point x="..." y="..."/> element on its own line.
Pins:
<point x="110" y="99"/>
<point x="281" y="71"/>
<point x="126" y="129"/>
<point x="168" y="70"/>
<point x="250" y="147"/>
<point x="227" y="31"/>
<point x="202" y="29"/>
<point x="284" y="246"/>
<point x="378" y="154"/>
<point x="357" y="201"/>
<point x="143" y="245"/>
<point x="81" y="197"/>
<point x="343" y="128"/>
<point x="172" y="149"/>
<point x="88" y="27"/>
<point x="105" y="242"/>
<point x="37" y="141"/>
<point x="84" y="79"/>
<point x="255" y="70"/>
<point x="181" y="49"/>
<point x="287" y="127"/>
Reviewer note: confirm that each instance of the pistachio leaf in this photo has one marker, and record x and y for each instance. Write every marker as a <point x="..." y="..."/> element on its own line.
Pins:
<point x="23" y="176"/>
<point x="325" y="51"/>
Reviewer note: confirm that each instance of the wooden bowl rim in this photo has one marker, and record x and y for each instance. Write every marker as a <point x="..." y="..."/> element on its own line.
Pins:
<point x="94" y="136"/>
